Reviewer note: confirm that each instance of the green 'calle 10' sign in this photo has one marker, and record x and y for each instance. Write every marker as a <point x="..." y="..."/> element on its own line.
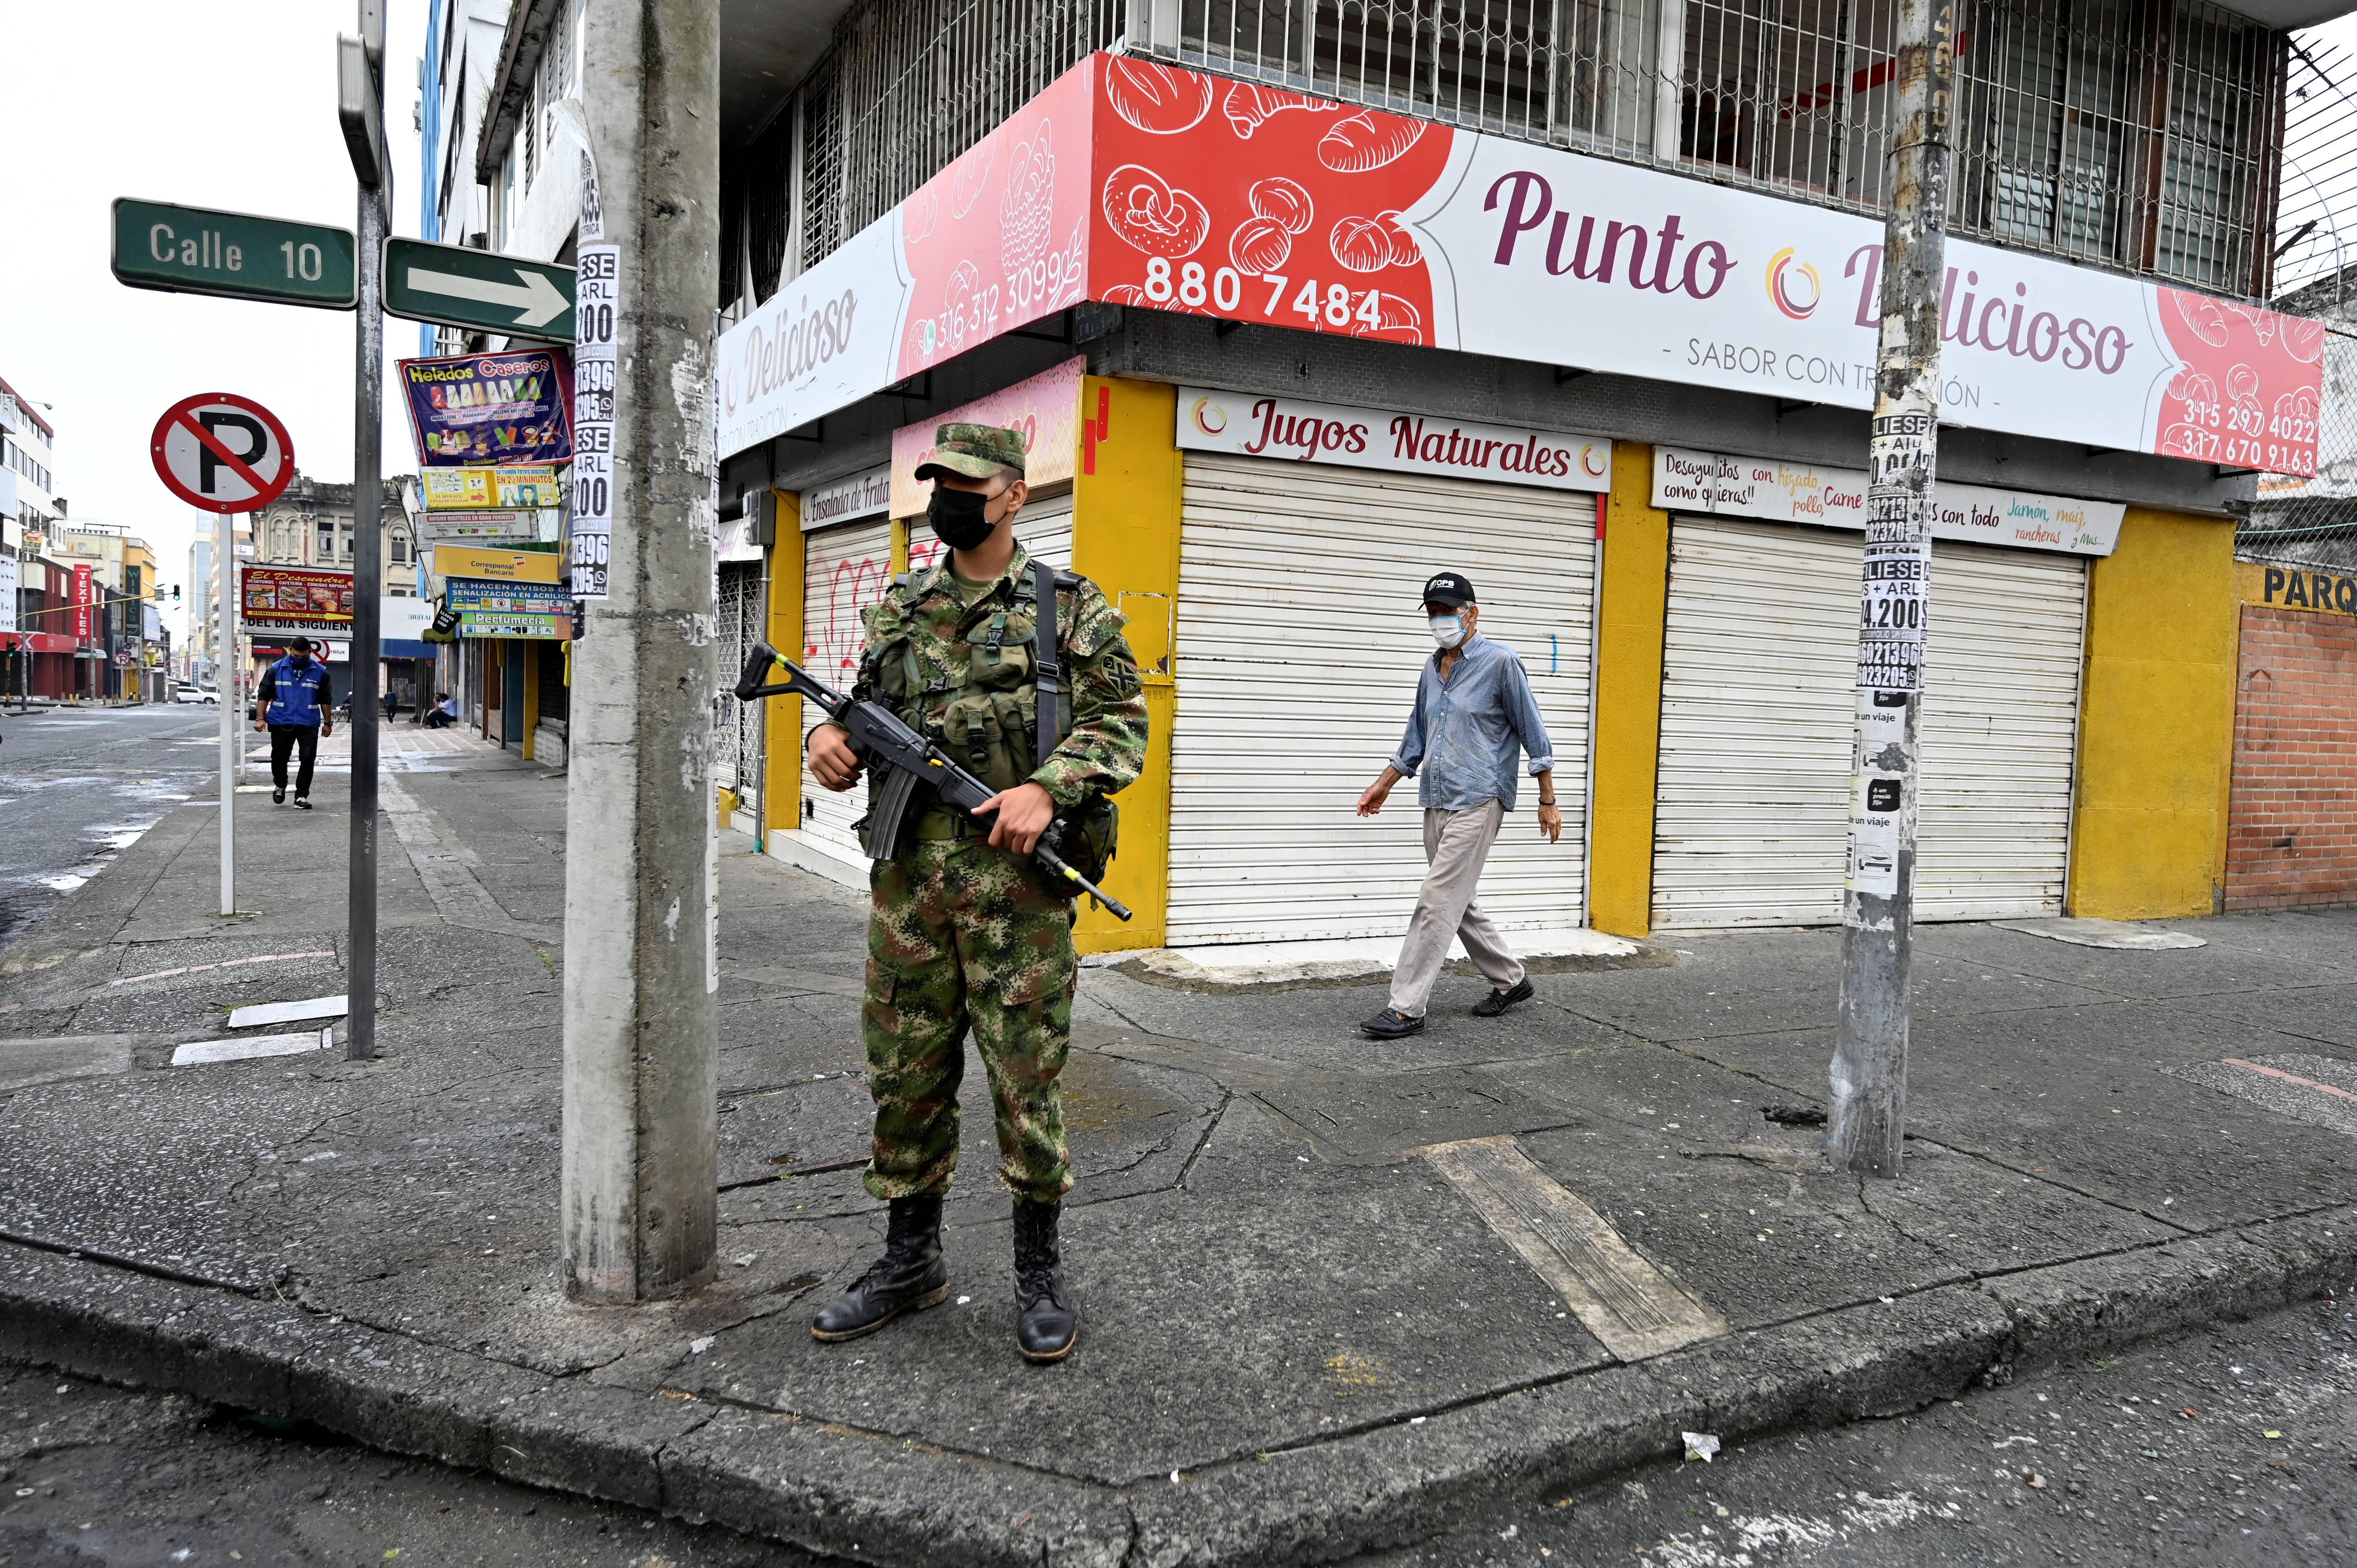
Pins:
<point x="191" y="250"/>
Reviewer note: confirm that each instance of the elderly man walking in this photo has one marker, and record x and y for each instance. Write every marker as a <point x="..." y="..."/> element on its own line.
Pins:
<point x="1474" y="712"/>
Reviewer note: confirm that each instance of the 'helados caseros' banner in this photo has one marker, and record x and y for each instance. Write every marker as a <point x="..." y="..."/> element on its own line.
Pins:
<point x="1132" y="182"/>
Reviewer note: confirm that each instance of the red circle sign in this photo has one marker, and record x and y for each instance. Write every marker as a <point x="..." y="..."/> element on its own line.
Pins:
<point x="222" y="452"/>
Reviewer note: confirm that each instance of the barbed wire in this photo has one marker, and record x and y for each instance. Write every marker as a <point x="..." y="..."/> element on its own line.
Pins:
<point x="2313" y="521"/>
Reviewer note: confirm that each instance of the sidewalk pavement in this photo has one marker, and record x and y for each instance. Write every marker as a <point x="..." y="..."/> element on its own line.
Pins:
<point x="1335" y="1293"/>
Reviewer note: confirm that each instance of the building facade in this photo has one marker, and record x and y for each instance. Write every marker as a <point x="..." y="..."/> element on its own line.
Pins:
<point x="1300" y="307"/>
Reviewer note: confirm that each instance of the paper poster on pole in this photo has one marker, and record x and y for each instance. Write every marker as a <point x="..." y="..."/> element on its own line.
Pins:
<point x="596" y="299"/>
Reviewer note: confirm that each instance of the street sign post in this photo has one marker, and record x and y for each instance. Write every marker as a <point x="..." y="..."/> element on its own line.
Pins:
<point x="450" y="286"/>
<point x="222" y="453"/>
<point x="193" y="250"/>
<point x="361" y="86"/>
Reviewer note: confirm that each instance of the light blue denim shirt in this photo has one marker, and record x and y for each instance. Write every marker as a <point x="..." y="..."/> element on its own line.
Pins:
<point x="1462" y="738"/>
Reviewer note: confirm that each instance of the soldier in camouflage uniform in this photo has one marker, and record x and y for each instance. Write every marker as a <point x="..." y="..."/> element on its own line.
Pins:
<point x="965" y="928"/>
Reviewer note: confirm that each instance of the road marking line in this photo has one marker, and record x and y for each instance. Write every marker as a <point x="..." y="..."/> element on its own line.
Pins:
<point x="225" y="963"/>
<point x="199" y="1052"/>
<point x="1635" y="1307"/>
<point x="289" y="1011"/>
<point x="2287" y="1076"/>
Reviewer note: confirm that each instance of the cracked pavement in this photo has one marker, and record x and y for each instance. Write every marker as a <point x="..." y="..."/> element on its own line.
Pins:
<point x="1265" y="1264"/>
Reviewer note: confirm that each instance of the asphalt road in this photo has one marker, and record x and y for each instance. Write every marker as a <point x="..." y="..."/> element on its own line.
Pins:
<point x="2095" y="1464"/>
<point x="78" y="786"/>
<point x="2226" y="1447"/>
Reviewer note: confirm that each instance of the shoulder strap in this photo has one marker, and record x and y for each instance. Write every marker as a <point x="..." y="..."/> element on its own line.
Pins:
<point x="1051" y="674"/>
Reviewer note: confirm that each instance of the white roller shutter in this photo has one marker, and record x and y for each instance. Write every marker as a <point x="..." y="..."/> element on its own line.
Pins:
<point x="1301" y="641"/>
<point x="846" y="570"/>
<point x="1751" y="818"/>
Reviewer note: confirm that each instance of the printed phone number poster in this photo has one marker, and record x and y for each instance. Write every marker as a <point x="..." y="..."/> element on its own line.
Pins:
<point x="491" y="410"/>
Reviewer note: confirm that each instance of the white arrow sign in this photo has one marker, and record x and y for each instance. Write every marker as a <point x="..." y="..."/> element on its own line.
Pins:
<point x="536" y="303"/>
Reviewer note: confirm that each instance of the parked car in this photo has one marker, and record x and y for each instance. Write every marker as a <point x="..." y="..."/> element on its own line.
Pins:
<point x="211" y="698"/>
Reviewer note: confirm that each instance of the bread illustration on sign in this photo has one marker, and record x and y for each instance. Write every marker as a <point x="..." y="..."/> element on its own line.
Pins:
<point x="1156" y="98"/>
<point x="1154" y="215"/>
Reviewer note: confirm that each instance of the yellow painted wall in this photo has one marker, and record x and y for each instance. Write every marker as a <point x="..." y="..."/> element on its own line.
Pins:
<point x="1125" y="517"/>
<point x="1631" y="622"/>
<point x="2156" y="721"/>
<point x="781" y="776"/>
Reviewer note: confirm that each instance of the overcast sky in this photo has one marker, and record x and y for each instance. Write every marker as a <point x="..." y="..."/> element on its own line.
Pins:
<point x="225" y="105"/>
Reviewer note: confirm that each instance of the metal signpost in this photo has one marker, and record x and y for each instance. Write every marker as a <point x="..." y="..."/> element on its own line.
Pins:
<point x="360" y="85"/>
<point x="478" y="290"/>
<point x="225" y="454"/>
<point x="193" y="250"/>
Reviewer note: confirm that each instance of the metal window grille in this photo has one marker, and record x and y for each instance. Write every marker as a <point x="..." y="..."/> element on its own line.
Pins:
<point x="906" y="85"/>
<point x="2134" y="132"/>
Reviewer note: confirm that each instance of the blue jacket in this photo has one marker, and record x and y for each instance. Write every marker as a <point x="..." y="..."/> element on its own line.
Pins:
<point x="296" y="696"/>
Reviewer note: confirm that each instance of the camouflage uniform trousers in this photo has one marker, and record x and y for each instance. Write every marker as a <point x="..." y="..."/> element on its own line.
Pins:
<point x="964" y="933"/>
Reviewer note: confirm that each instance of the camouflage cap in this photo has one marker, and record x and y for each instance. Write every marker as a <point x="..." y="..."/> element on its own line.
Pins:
<point x="975" y="451"/>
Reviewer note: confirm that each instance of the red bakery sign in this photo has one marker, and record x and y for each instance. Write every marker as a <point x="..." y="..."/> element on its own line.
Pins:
<point x="1132" y="182"/>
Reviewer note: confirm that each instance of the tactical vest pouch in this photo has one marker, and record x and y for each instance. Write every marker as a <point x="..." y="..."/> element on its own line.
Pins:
<point x="1086" y="839"/>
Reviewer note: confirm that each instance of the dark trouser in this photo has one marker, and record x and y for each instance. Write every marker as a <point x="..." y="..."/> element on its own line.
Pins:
<point x="436" y="719"/>
<point x="284" y="738"/>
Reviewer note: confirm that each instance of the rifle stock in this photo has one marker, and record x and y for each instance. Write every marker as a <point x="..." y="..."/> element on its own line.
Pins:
<point x="880" y="740"/>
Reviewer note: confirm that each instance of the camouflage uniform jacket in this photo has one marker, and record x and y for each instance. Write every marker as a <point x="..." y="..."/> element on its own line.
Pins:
<point x="955" y="661"/>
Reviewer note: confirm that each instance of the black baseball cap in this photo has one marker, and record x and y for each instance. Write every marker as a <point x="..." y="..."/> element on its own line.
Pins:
<point x="1448" y="588"/>
<point x="298" y="645"/>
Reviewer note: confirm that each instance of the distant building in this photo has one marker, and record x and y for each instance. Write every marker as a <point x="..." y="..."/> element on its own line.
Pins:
<point x="310" y="524"/>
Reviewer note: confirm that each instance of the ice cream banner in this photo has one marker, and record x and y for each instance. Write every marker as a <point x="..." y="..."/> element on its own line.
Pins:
<point x="1135" y="182"/>
<point x="1724" y="486"/>
<point x="1046" y="409"/>
<point x="491" y="409"/>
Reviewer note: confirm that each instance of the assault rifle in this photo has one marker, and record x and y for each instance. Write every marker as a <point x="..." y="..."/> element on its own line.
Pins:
<point x="902" y="758"/>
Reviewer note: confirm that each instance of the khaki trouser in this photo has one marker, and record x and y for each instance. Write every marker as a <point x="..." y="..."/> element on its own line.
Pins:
<point x="1456" y="844"/>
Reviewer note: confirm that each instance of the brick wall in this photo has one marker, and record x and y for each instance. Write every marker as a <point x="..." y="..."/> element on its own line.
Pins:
<point x="2291" y="835"/>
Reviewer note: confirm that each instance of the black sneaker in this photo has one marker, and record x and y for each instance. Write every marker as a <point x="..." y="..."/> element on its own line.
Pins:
<point x="279" y="796"/>
<point x="1389" y="1024"/>
<point x="1497" y="1002"/>
<point x="301" y="805"/>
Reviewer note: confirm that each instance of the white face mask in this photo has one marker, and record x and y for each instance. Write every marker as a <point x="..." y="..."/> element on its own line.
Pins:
<point x="1449" y="630"/>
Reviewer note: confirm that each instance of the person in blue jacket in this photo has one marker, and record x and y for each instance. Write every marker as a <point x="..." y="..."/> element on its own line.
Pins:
<point x="296" y="704"/>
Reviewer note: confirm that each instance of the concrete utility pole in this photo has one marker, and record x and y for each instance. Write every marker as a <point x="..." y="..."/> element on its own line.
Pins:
<point x="640" y="1170"/>
<point x="1869" y="1071"/>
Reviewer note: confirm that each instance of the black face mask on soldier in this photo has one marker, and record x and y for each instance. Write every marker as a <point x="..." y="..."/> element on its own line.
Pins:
<point x="956" y="516"/>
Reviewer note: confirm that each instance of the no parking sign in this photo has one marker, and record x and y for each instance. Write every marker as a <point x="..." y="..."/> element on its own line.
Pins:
<point x="222" y="452"/>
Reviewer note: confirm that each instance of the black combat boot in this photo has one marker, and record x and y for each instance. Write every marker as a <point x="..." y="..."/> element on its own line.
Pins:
<point x="1045" y="1323"/>
<point x="909" y="1276"/>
